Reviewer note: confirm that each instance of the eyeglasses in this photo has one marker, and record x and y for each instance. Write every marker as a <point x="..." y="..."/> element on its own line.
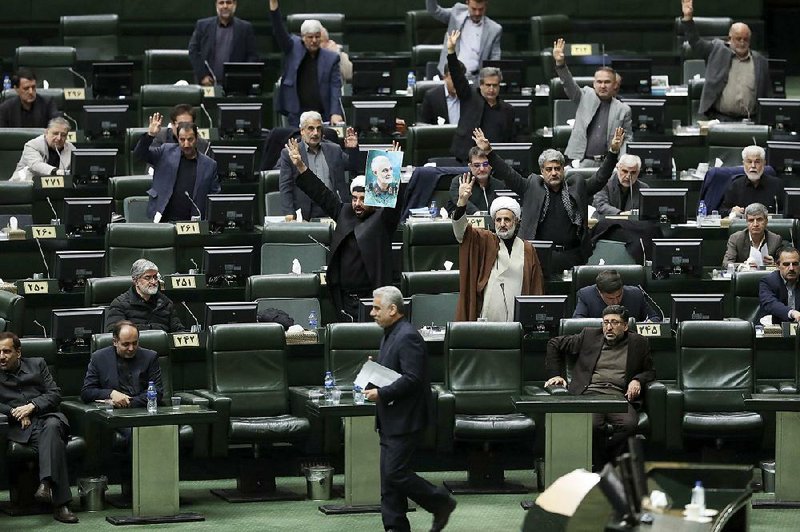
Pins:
<point x="484" y="164"/>
<point x="613" y="323"/>
<point x="150" y="278"/>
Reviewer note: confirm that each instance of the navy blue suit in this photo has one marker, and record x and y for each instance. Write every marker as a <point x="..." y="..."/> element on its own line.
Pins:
<point x="203" y="41"/>
<point x="165" y="160"/>
<point x="589" y="304"/>
<point x="774" y="298"/>
<point x="102" y="376"/>
<point x="329" y="78"/>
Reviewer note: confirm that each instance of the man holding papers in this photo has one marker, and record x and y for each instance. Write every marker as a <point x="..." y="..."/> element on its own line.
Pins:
<point x="404" y="410"/>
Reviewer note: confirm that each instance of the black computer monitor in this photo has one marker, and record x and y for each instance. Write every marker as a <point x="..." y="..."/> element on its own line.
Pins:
<point x="230" y="211"/>
<point x="636" y="75"/>
<point x="234" y="312"/>
<point x="663" y="205"/>
<point x="513" y="71"/>
<point x="523" y="110"/>
<point x="784" y="157"/>
<point x="112" y="80"/>
<point x="656" y="158"/>
<point x="544" y="252"/>
<point x="540" y="314"/>
<point x="791" y="203"/>
<point x="72" y="328"/>
<point x="677" y="257"/>
<point x="647" y="116"/>
<point x="235" y="162"/>
<point x="72" y="268"/>
<point x="243" y="79"/>
<point x="105" y="121"/>
<point x="372" y="76"/>
<point x="374" y="117"/>
<point x="87" y="215"/>
<point x="517" y="155"/>
<point x="227" y="266"/>
<point x="777" y="74"/>
<point x="239" y="120"/>
<point x="780" y="114"/>
<point x="93" y="166"/>
<point x="696" y="307"/>
<point x="365" y="307"/>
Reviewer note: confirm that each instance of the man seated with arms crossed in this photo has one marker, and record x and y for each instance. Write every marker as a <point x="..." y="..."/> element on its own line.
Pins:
<point x="755" y="246"/>
<point x="495" y="267"/>
<point x="143" y="304"/>
<point x="754" y="186"/>
<point x="610" y="290"/>
<point x="777" y="291"/>
<point x="610" y="361"/>
<point x="26" y="109"/>
<point x="484" y="188"/>
<point x="621" y="194"/>
<point x="48" y="154"/>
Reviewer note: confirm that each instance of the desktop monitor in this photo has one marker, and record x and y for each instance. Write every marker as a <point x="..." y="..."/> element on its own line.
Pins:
<point x="93" y="166"/>
<point x="544" y="252"/>
<point x="374" y="117"/>
<point x="239" y="120"/>
<point x="235" y="162"/>
<point x="636" y="75"/>
<point x="372" y="76"/>
<point x="230" y="211"/>
<point x="791" y="203"/>
<point x="540" y="313"/>
<point x="665" y="205"/>
<point x="234" y="312"/>
<point x="243" y="79"/>
<point x="87" y="215"/>
<point x="781" y="115"/>
<point x="647" y="116"/>
<point x="777" y="74"/>
<point x="696" y="307"/>
<point x="513" y="71"/>
<point x="365" y="307"/>
<point x="523" y="110"/>
<point x="784" y="157"/>
<point x="105" y="121"/>
<point x="72" y="328"/>
<point x="72" y="268"/>
<point x="112" y="80"/>
<point x="227" y="266"/>
<point x="656" y="158"/>
<point x="677" y="257"/>
<point x="517" y="155"/>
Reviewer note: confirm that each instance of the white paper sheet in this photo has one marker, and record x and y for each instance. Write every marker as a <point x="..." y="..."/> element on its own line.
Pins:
<point x="566" y="493"/>
<point x="755" y="257"/>
<point x="374" y="373"/>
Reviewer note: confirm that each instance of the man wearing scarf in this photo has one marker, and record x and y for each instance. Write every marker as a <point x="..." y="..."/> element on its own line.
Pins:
<point x="494" y="267"/>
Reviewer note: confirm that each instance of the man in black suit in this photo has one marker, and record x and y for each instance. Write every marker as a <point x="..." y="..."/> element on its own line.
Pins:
<point x="404" y="410"/>
<point x="608" y="361"/>
<point x="361" y="247"/>
<point x="30" y="397"/>
<point x="610" y="290"/>
<point x="120" y="373"/>
<point x="778" y="292"/>
<point x="442" y="102"/>
<point x="219" y="40"/>
<point x="27" y="109"/>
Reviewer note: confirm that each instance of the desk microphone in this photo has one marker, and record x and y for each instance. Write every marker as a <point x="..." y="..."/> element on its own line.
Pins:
<point x="210" y="72"/>
<point x="651" y="300"/>
<point x="196" y="327"/>
<point x="199" y="214"/>
<point x="55" y="220"/>
<point x="74" y="73"/>
<point x="194" y="264"/>
<point x="72" y="120"/>
<point x="44" y="261"/>
<point x="776" y="205"/>
<point x="317" y="242"/>
<point x="205" y="112"/>
<point x="347" y="315"/>
<point x="42" y="326"/>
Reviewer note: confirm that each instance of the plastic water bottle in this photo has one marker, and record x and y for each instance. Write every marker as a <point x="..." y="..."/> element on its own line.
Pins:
<point x="358" y="395"/>
<point x="412" y="82"/>
<point x="6" y="82"/>
<point x="152" y="398"/>
<point x="433" y="209"/>
<point x="313" y="322"/>
<point x="699" y="496"/>
<point x="330" y="384"/>
<point x="702" y="211"/>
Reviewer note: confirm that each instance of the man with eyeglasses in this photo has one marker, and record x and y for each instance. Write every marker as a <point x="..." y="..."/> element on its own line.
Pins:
<point x="144" y="304"/>
<point x="48" y="154"/>
<point x="484" y="188"/>
<point x="610" y="360"/>
<point x="777" y="291"/>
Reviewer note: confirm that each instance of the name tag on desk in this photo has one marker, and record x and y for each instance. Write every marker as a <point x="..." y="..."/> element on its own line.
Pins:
<point x="43" y="231"/>
<point x="477" y="221"/>
<point x="183" y="282"/>
<point x="649" y="329"/>
<point x="35" y="287"/>
<point x="180" y="340"/>
<point x="75" y="93"/>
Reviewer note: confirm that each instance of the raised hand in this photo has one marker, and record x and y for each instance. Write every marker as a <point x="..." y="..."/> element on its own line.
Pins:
<point x="687" y="7"/>
<point x="155" y="124"/>
<point x="395" y="146"/>
<point x="616" y="142"/>
<point x="294" y="154"/>
<point x="273" y="5"/>
<point x="558" y="52"/>
<point x="480" y="140"/>
<point x="464" y="189"/>
<point x="452" y="39"/>
<point x="350" y="138"/>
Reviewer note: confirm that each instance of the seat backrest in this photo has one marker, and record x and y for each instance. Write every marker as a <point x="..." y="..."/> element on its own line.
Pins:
<point x="45" y="348"/>
<point x="297" y="233"/>
<point x="426" y="246"/>
<point x="121" y="187"/>
<point x="281" y="285"/>
<point x="134" y="166"/>
<point x="333" y="22"/>
<point x="745" y="294"/>
<point x="715" y="364"/>
<point x="547" y="28"/>
<point x="563" y="110"/>
<point x="161" y="98"/>
<point x="16" y="198"/>
<point x="93" y="36"/>
<point x="269" y="183"/>
<point x="433" y="309"/>
<point x="421" y="88"/>
<point x="632" y="274"/>
<point x="101" y="291"/>
<point x="557" y="91"/>
<point x="247" y="363"/>
<point x="422" y="28"/>
<point x="692" y="68"/>
<point x="786" y="227"/>
<point x="421" y="55"/>
<point x="706" y="27"/>
<point x="347" y="346"/>
<point x="279" y="258"/>
<point x="726" y="141"/>
<point x="298" y="308"/>
<point x="561" y="136"/>
<point x="12" y="140"/>
<point x="272" y="204"/>
<point x="483" y="365"/>
<point x="134" y="208"/>
<point x="167" y="66"/>
<point x="12" y="310"/>
<point x="125" y="243"/>
<point x="429" y="282"/>
<point x="154" y="340"/>
<point x="51" y="63"/>
<point x="424" y="142"/>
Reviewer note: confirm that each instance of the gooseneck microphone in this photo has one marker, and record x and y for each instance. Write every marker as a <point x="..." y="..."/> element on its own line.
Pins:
<point x="56" y="220"/>
<point x="75" y="73"/>
<point x="44" y="261"/>
<point x="199" y="214"/>
<point x="210" y="72"/>
<point x="317" y="242"/>
<point x="196" y="327"/>
<point x="42" y="326"/>
<point x="347" y="315"/>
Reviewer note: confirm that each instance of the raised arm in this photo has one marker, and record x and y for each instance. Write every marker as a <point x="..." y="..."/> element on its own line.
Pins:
<point x="142" y="150"/>
<point x="600" y="178"/>
<point x="700" y="47"/>
<point x="442" y="14"/>
<point x="501" y="170"/>
<point x="309" y="183"/>
<point x="279" y="31"/>
<point x="463" y="90"/>
<point x="465" y="183"/>
<point x="570" y="87"/>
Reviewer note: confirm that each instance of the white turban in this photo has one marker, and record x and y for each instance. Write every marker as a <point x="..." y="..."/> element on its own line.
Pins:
<point x="505" y="202"/>
<point x="358" y="182"/>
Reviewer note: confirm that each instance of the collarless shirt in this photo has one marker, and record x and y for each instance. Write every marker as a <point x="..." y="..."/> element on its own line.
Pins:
<point x="453" y="107"/>
<point x="307" y="84"/>
<point x="738" y="98"/>
<point x="179" y="206"/>
<point x="223" y="47"/>
<point x="597" y="131"/>
<point x="469" y="51"/>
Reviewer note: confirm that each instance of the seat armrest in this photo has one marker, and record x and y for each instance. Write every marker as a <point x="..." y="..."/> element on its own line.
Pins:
<point x="556" y="390"/>
<point x="191" y="398"/>
<point x="787" y="387"/>
<point x="655" y="404"/>
<point x="201" y="444"/>
<point x="766" y="388"/>
<point x="445" y="418"/>
<point x="298" y="396"/>
<point x="76" y="412"/>
<point x="673" y="420"/>
<point x="220" y="428"/>
<point x="533" y="390"/>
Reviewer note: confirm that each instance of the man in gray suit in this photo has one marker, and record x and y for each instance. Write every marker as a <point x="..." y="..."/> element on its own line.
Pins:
<point x="49" y="154"/>
<point x="621" y="193"/>
<point x="480" y="35"/>
<point x="747" y="245"/>
<point x="325" y="158"/>
<point x="599" y="112"/>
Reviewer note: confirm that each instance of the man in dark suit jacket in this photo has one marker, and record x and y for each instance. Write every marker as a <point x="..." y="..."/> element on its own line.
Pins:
<point x="311" y="79"/>
<point x="180" y="171"/>
<point x="755" y="238"/>
<point x="608" y="361"/>
<point x="773" y="289"/>
<point x="30" y="397"/>
<point x="404" y="411"/>
<point x="621" y="193"/>
<point x="609" y="290"/>
<point x="442" y="101"/>
<point x="27" y="109"/>
<point x="219" y="40"/>
<point x="120" y="373"/>
<point x="328" y="162"/>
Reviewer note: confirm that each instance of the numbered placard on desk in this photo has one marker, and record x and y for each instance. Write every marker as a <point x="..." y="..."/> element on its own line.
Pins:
<point x="580" y="49"/>
<point x="180" y="340"/>
<point x="649" y="329"/>
<point x="477" y="221"/>
<point x="50" y="182"/>
<point x="204" y="133"/>
<point x="75" y="93"/>
<point x="209" y="91"/>
<point x="185" y="282"/>
<point x="44" y="232"/>
<point x="191" y="228"/>
<point x="32" y="287"/>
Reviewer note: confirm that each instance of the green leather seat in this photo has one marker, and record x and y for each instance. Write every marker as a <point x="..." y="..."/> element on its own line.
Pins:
<point x="134" y="165"/>
<point x="695" y="92"/>
<point x="726" y="141"/>
<point x="429" y="282"/>
<point x="563" y="110"/>
<point x="788" y="228"/>
<point x="426" y="142"/>
<point x="716" y="362"/>
<point x="167" y="67"/>
<point x="744" y="287"/>
<point x="155" y="98"/>
<point x="93" y="36"/>
<point x="124" y="186"/>
<point x="631" y="274"/>
<point x="12" y="140"/>
<point x="333" y="22"/>
<point x="298" y="308"/>
<point x="268" y="184"/>
<point x="433" y="309"/>
<point x="545" y="29"/>
<point x="422" y="28"/>
<point x="12" y="312"/>
<point x="297" y="233"/>
<point x="101" y="291"/>
<point x="426" y="246"/>
<point x="425" y="60"/>
<point x="134" y="209"/>
<point x="692" y="68"/>
<point x="420" y="89"/>
<point x="154" y="340"/>
<point x="126" y="243"/>
<point x="16" y="198"/>
<point x="282" y="285"/>
<point x="707" y="28"/>
<point x="51" y="63"/>
<point x="561" y="136"/>
<point x="279" y="258"/>
<point x="54" y="94"/>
